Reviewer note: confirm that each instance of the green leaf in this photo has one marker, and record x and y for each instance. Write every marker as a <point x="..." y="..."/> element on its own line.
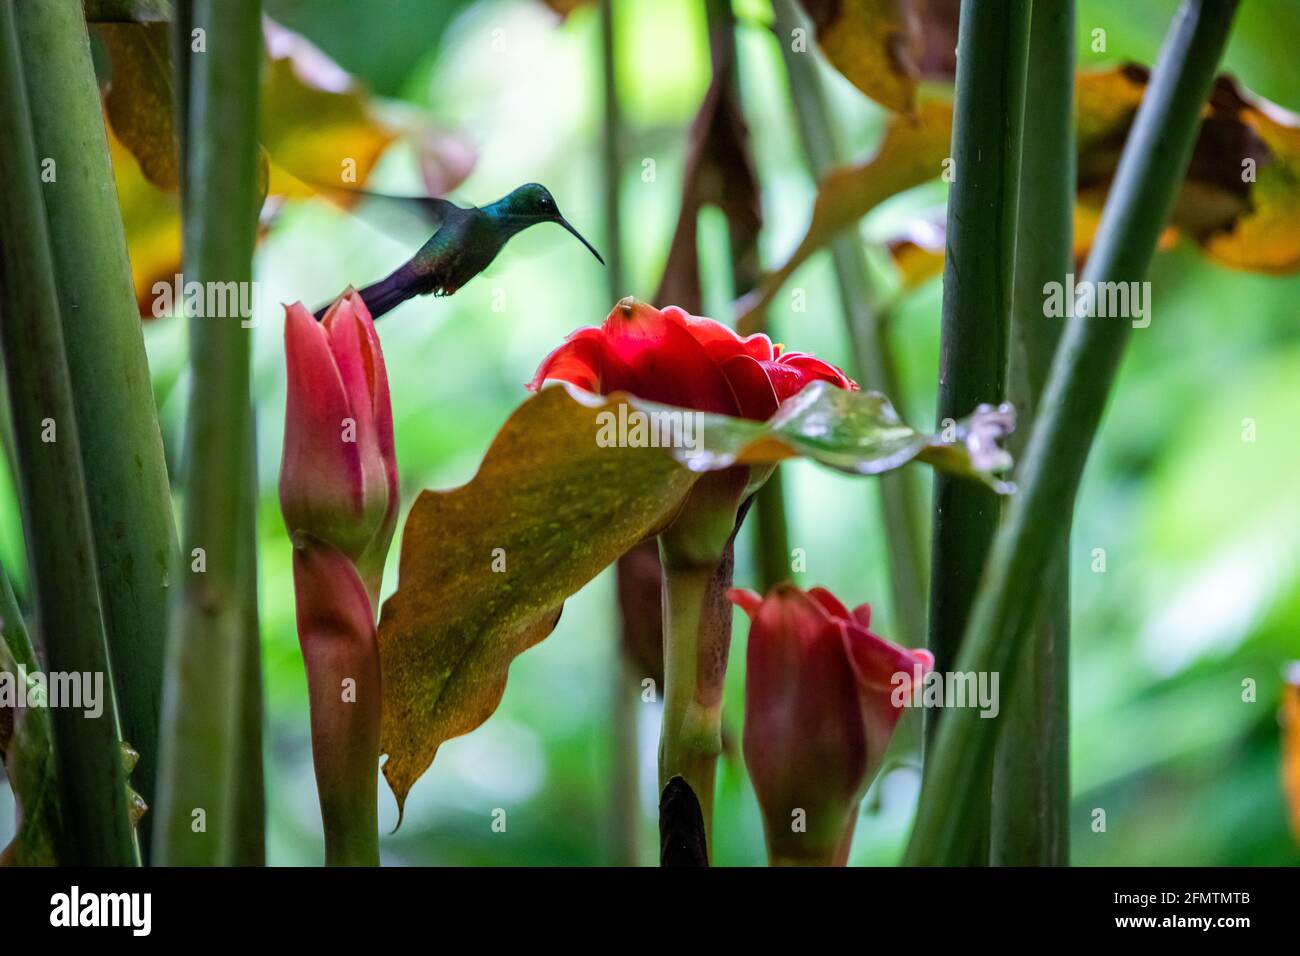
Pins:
<point x="25" y="749"/>
<point x="485" y="568"/>
<point x="855" y="432"/>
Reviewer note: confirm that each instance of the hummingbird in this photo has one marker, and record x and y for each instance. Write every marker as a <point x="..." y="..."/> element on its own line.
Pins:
<point x="465" y="242"/>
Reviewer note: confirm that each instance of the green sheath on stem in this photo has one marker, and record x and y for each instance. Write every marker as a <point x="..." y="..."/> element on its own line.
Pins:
<point x="1031" y="775"/>
<point x="696" y="624"/>
<point x="121" y="447"/>
<point x="1150" y="170"/>
<point x="900" y="501"/>
<point x="56" y="519"/>
<point x="697" y="553"/>
<point x="196" y="821"/>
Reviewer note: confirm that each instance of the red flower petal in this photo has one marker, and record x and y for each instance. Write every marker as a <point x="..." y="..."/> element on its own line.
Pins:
<point x="804" y="739"/>
<point x="579" y="361"/>
<point x="830" y="602"/>
<point x="321" y="477"/>
<point x="862" y="615"/>
<point x="813" y="369"/>
<point x="657" y="358"/>
<point x="745" y="599"/>
<point x="751" y="387"/>
<point x="720" y="340"/>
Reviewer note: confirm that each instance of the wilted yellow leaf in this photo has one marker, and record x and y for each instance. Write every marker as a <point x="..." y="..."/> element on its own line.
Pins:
<point x="1291" y="745"/>
<point x="139" y="98"/>
<point x="912" y="152"/>
<point x="486" y="568"/>
<point x="316" y="137"/>
<point x="1266" y="238"/>
<point x="875" y="43"/>
<point x="151" y="218"/>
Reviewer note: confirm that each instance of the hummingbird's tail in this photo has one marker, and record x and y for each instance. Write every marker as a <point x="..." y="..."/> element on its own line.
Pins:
<point x="386" y="294"/>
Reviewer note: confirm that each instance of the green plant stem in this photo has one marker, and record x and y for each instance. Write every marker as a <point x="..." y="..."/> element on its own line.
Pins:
<point x="121" y="445"/>
<point x="56" y="519"/>
<point x="207" y="643"/>
<point x="697" y="554"/>
<point x="1150" y="171"/>
<point x="992" y="46"/>
<point x="694" y="621"/>
<point x="771" y="534"/>
<point x="1031" y="775"/>
<point x="250" y="796"/>
<point x="873" y="359"/>
<point x="979" y="263"/>
<point x="624" y="794"/>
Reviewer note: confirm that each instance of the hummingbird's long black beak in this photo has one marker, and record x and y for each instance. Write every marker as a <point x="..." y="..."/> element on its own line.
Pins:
<point x="565" y="223"/>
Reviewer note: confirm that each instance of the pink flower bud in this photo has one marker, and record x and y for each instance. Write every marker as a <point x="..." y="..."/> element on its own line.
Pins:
<point x="818" y="715"/>
<point x="338" y="476"/>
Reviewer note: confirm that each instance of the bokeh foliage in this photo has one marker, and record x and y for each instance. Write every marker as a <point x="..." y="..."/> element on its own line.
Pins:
<point x="1200" y="528"/>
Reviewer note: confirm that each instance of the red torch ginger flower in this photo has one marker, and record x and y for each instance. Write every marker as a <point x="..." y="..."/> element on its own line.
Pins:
<point x="338" y="476"/>
<point x="820" y="709"/>
<point x="338" y="493"/>
<point x="679" y="359"/>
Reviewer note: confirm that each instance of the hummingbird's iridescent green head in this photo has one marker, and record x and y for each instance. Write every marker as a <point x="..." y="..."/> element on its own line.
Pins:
<point x="532" y="203"/>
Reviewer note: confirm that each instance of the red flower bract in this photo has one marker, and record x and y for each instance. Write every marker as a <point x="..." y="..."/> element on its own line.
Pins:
<point x="819" y="714"/>
<point x="679" y="359"/>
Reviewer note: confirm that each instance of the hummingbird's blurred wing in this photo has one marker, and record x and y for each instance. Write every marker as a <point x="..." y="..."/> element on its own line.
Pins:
<point x="407" y="219"/>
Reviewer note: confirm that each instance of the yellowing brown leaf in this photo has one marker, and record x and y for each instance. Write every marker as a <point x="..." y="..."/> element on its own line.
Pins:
<point x="486" y="568"/>
<point x="876" y="44"/>
<point x="1291" y="746"/>
<point x="151" y="218"/>
<point x="316" y="137"/>
<point x="139" y="98"/>
<point x="1267" y="237"/>
<point x="912" y="152"/>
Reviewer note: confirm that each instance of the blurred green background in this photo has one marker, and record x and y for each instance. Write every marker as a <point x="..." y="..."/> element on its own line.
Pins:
<point x="1199" y="529"/>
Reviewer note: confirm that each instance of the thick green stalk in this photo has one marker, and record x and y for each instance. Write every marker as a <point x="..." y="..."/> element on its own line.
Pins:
<point x="900" y="499"/>
<point x="56" y="519"/>
<point x="196" y="819"/>
<point x="624" y="794"/>
<point x="771" y="534"/>
<point x="697" y="553"/>
<point x="250" y="795"/>
<point x="979" y="262"/>
<point x="695" y="622"/>
<point x="1152" y="166"/>
<point x="121" y="446"/>
<point x="992" y="46"/>
<point x="1031" y="775"/>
